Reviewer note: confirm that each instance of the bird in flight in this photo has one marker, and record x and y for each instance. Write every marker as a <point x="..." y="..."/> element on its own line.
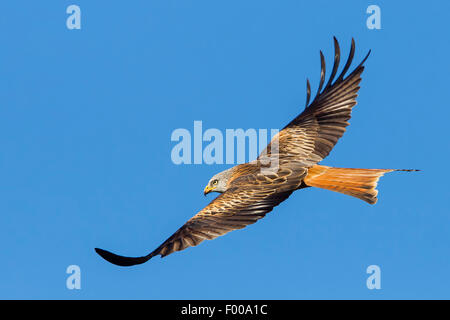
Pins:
<point x="251" y="190"/>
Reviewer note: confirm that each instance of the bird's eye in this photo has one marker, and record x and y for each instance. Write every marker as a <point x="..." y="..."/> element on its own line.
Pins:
<point x="214" y="182"/>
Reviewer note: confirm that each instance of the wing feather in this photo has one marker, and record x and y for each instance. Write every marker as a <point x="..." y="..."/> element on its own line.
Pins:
<point x="311" y="136"/>
<point x="246" y="201"/>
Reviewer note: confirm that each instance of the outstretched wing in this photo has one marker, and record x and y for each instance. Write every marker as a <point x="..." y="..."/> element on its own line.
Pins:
<point x="250" y="197"/>
<point x="310" y="137"/>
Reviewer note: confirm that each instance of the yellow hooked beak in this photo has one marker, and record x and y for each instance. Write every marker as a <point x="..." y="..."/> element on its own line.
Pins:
<point x="207" y="190"/>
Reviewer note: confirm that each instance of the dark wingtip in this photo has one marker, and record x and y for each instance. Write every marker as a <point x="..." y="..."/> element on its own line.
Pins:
<point x="308" y="92"/>
<point x="337" y="57"/>
<point x="340" y="78"/>
<point x="121" y="260"/>
<point x="367" y="55"/>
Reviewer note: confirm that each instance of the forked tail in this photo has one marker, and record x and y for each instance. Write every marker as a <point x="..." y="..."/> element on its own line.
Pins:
<point x="359" y="183"/>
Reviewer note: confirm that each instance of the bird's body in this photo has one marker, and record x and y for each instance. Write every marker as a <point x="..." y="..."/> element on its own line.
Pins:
<point x="289" y="163"/>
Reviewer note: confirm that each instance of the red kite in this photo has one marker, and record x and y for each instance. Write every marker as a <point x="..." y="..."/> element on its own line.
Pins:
<point x="249" y="192"/>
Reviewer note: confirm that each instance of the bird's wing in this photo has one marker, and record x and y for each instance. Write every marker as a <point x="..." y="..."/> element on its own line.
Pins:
<point x="310" y="137"/>
<point x="250" y="197"/>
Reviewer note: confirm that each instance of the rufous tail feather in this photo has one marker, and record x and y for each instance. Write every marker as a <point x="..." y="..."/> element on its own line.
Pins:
<point x="359" y="183"/>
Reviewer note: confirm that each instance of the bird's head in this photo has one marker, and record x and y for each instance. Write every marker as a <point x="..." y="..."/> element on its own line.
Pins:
<point x="218" y="183"/>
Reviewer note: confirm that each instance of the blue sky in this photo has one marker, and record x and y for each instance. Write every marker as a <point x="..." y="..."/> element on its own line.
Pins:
<point x="85" y="123"/>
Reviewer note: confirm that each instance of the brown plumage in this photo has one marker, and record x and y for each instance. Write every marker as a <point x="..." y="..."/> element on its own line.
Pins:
<point x="249" y="191"/>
